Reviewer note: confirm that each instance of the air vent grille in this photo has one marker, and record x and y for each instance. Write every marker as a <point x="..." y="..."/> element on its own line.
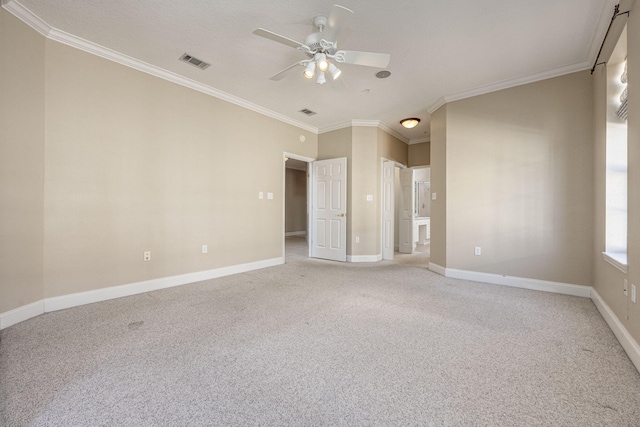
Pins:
<point x="194" y="61"/>
<point x="307" y="112"/>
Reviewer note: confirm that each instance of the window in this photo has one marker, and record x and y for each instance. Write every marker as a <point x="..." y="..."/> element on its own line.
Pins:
<point x="616" y="157"/>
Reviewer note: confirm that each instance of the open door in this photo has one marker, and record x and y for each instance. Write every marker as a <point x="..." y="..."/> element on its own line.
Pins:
<point x="388" y="208"/>
<point x="329" y="209"/>
<point x="405" y="223"/>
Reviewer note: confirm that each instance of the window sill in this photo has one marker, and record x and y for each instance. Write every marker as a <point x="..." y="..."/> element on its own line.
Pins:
<point x="617" y="259"/>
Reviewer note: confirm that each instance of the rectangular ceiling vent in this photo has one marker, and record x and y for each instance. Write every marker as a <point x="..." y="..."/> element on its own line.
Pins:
<point x="307" y="112"/>
<point x="194" y="61"/>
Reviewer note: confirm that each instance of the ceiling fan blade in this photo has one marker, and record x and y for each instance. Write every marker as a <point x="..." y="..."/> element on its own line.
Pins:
<point x="277" y="37"/>
<point x="338" y="20"/>
<point x="369" y="59"/>
<point x="281" y="74"/>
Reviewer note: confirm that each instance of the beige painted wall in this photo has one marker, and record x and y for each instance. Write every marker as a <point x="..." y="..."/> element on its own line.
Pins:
<point x="364" y="213"/>
<point x="438" y="254"/>
<point x="608" y="281"/>
<point x="101" y="162"/>
<point x="420" y="154"/>
<point x="391" y="148"/>
<point x="364" y="147"/>
<point x="633" y="46"/>
<point x="22" y="71"/>
<point x="295" y="205"/>
<point x="519" y="181"/>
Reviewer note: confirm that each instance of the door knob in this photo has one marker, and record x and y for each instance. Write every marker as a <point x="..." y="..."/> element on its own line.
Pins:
<point x="341" y="214"/>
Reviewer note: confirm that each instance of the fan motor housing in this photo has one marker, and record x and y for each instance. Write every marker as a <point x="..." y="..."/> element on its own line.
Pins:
<point x="313" y="42"/>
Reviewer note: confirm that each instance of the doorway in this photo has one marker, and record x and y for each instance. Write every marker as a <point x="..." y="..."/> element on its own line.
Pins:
<point x="296" y="206"/>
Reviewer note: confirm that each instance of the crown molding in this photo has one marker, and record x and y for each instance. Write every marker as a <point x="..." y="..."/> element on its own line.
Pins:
<point x="393" y="133"/>
<point x="419" y="140"/>
<point x="439" y="103"/>
<point x="365" y="123"/>
<point x="29" y="18"/>
<point x="26" y="16"/>
<point x="336" y="126"/>
<point x="506" y="84"/>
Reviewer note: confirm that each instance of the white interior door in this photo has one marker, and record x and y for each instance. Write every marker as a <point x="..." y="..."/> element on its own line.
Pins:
<point x="405" y="223"/>
<point x="388" y="208"/>
<point x="329" y="209"/>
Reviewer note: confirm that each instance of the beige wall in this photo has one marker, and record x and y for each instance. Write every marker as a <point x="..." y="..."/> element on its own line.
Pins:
<point x="438" y="150"/>
<point x="364" y="147"/>
<point x="608" y="281"/>
<point x="101" y="162"/>
<point x="519" y="181"/>
<point x="136" y="163"/>
<point x="295" y="205"/>
<point x="420" y="154"/>
<point x="22" y="77"/>
<point x="391" y="148"/>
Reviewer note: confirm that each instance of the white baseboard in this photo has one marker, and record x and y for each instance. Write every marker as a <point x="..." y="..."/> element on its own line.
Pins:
<point x="364" y="258"/>
<point x="627" y="342"/>
<point x="295" y="233"/>
<point x="515" y="282"/>
<point x="437" y="269"/>
<point x="17" y="315"/>
<point x="72" y="300"/>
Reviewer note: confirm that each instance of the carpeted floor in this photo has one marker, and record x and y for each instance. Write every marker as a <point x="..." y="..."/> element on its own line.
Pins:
<point x="320" y="343"/>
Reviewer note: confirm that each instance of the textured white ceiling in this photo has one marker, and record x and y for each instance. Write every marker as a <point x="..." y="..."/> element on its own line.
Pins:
<point x="438" y="48"/>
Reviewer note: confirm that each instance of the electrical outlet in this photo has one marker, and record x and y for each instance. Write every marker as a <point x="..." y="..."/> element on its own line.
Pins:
<point x="478" y="250"/>
<point x="270" y="196"/>
<point x="146" y="256"/>
<point x="369" y="197"/>
<point x="357" y="239"/>
<point x="204" y="249"/>
<point x="625" y="287"/>
<point x="634" y="293"/>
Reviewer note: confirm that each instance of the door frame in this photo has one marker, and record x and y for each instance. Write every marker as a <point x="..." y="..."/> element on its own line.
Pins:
<point x="308" y="160"/>
<point x="395" y="217"/>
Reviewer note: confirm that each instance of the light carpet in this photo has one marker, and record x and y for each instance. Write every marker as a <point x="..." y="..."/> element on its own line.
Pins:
<point x="320" y="343"/>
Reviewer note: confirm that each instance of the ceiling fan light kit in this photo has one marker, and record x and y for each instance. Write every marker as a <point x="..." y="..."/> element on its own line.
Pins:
<point x="410" y="123"/>
<point x="322" y="46"/>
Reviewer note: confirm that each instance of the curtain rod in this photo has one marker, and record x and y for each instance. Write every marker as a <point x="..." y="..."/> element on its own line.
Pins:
<point x="616" y="13"/>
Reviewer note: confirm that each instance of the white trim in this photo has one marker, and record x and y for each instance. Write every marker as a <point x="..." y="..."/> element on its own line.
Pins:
<point x="26" y="16"/>
<point x="627" y="342"/>
<point x="393" y="133"/>
<point x="336" y="126"/>
<point x="295" y="233"/>
<point x="46" y="305"/>
<point x="88" y="297"/>
<point x="364" y="258"/>
<point x="618" y="260"/>
<point x="419" y="140"/>
<point x="438" y="269"/>
<point x="509" y="83"/>
<point x="364" y="123"/>
<point x="439" y="103"/>
<point x="20" y="314"/>
<point x="515" y="282"/>
<point x="37" y="24"/>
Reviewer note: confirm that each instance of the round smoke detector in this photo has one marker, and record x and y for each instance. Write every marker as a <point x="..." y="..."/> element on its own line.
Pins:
<point x="383" y="74"/>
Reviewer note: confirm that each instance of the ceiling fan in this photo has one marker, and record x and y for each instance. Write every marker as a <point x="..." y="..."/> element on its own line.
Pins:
<point x="322" y="46"/>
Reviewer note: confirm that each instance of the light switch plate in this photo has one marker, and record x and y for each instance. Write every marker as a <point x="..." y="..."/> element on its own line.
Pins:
<point x="260" y="195"/>
<point x="434" y="196"/>
<point x="369" y="198"/>
<point x="634" y="293"/>
<point x="270" y="196"/>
